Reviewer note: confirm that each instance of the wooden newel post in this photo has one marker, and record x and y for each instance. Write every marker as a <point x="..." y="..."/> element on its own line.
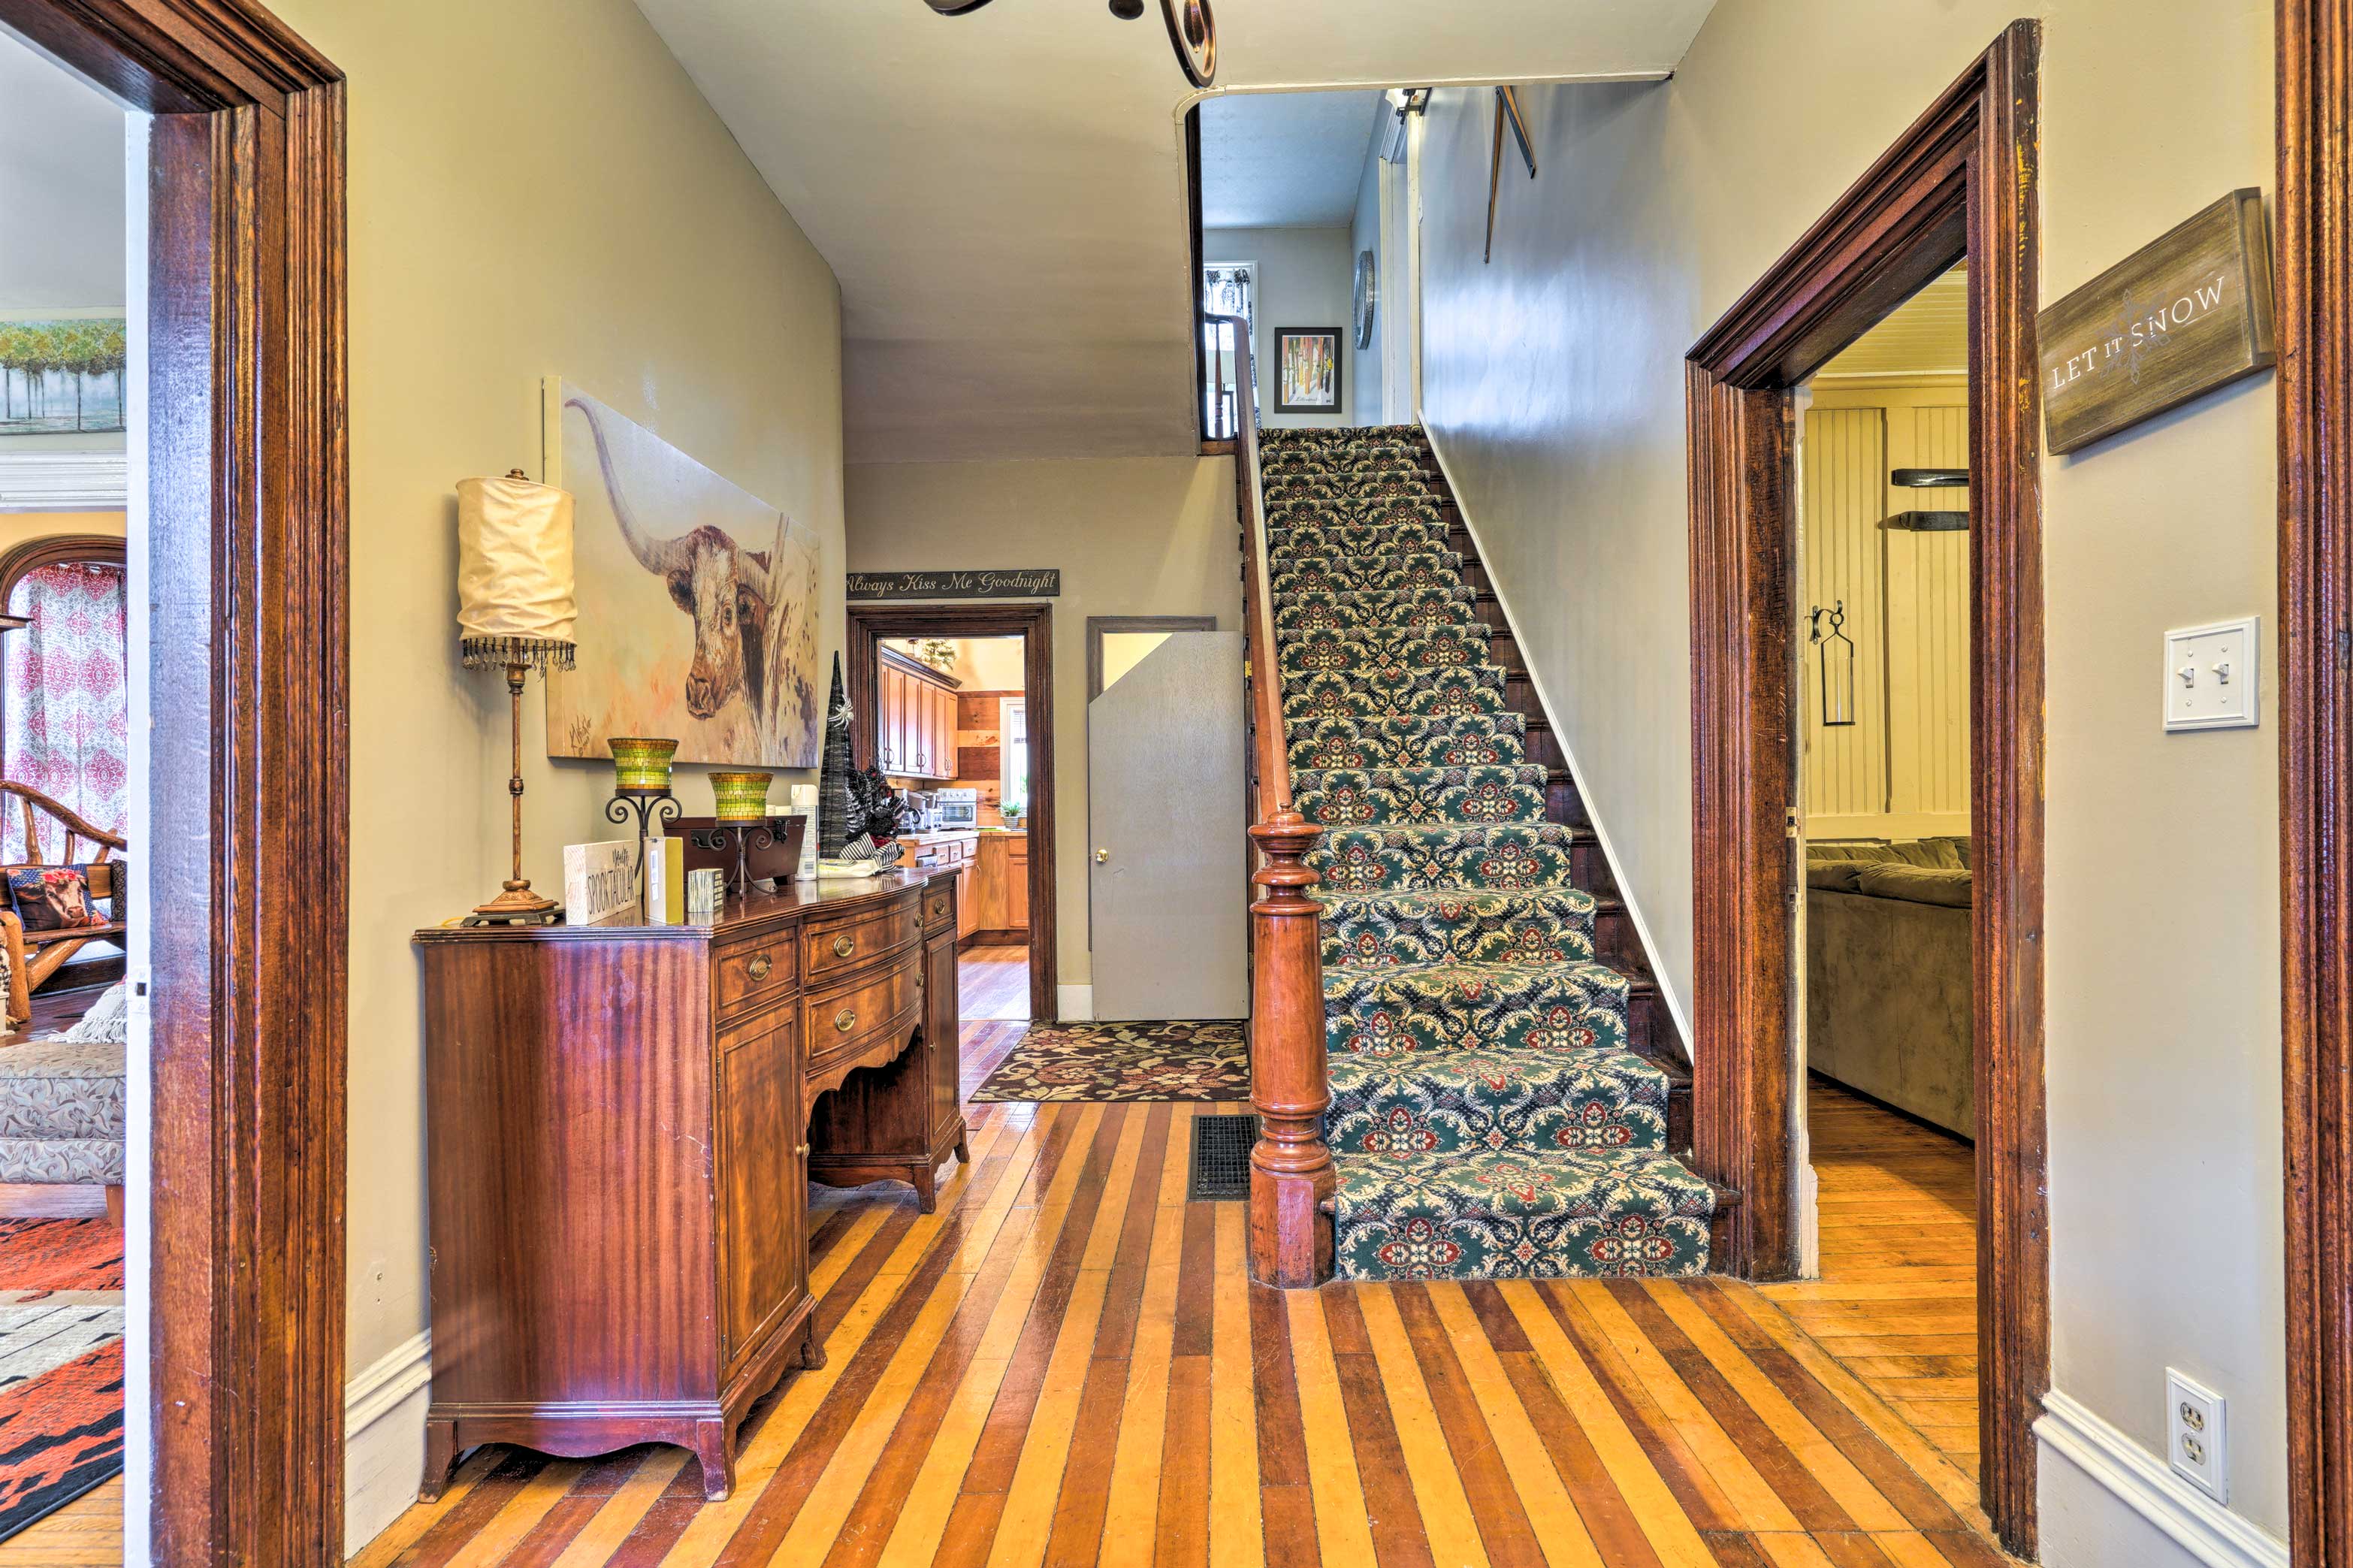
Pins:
<point x="1291" y="1084"/>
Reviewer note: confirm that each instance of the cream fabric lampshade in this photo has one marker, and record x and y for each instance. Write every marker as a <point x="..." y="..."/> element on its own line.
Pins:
<point x="514" y="573"/>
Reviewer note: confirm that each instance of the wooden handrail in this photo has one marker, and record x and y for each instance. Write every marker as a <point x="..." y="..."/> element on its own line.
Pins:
<point x="1292" y="1178"/>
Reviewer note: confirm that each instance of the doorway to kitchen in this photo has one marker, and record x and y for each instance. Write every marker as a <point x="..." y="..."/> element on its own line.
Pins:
<point x="954" y="703"/>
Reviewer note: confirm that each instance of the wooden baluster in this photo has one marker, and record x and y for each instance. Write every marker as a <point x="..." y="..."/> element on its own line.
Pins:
<point x="1291" y="1086"/>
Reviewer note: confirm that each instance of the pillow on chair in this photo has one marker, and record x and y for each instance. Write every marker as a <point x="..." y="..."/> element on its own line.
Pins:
<point x="53" y="898"/>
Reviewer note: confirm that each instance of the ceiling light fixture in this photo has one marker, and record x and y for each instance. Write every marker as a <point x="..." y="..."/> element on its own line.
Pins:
<point x="1192" y="29"/>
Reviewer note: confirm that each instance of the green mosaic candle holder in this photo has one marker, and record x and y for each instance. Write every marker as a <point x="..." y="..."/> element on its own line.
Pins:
<point x="740" y="797"/>
<point x="641" y="765"/>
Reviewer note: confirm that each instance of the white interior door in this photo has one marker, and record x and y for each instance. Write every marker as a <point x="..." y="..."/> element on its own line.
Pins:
<point x="1167" y="885"/>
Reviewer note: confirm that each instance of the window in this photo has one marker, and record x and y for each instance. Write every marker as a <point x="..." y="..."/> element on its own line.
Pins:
<point x="1228" y="289"/>
<point x="1013" y="754"/>
<point x="65" y="724"/>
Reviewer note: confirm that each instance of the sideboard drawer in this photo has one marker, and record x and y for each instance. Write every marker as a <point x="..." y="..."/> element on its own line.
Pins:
<point x="752" y="974"/>
<point x="939" y="903"/>
<point x="845" y="1021"/>
<point x="831" y="947"/>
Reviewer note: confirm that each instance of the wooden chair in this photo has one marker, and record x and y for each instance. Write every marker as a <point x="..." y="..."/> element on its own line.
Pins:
<point x="47" y="952"/>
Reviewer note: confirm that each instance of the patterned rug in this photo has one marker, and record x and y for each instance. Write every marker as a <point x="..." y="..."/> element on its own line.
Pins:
<point x="61" y="1321"/>
<point x="60" y="1434"/>
<point x="1124" y="1061"/>
<point x="60" y="1255"/>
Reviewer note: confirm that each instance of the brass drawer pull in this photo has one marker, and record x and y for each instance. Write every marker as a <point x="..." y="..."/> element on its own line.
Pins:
<point x="803" y="1151"/>
<point x="759" y="966"/>
<point x="843" y="946"/>
<point x="846" y="1020"/>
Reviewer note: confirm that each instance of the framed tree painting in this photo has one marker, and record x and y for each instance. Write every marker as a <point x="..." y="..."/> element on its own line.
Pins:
<point x="1307" y="370"/>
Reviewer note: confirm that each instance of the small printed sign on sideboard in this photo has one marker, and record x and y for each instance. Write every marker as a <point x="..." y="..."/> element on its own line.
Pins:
<point x="1039" y="584"/>
<point x="2179" y="317"/>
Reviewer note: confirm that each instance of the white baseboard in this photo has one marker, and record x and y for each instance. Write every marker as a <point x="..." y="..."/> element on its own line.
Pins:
<point x="2203" y="1528"/>
<point x="383" y="1439"/>
<point x="1075" y="1003"/>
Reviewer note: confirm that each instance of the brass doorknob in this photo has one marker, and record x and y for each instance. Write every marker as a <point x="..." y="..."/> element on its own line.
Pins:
<point x="1102" y="856"/>
<point x="803" y="1151"/>
<point x="758" y="968"/>
<point x="846" y="1020"/>
<point x="843" y="946"/>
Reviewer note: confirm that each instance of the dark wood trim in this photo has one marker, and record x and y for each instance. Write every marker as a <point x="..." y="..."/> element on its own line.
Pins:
<point x="1098" y="624"/>
<point x="1961" y="182"/>
<point x="1200" y="286"/>
<point x="250" y="688"/>
<point x="2314" y="204"/>
<point x="55" y="550"/>
<point x="1034" y="625"/>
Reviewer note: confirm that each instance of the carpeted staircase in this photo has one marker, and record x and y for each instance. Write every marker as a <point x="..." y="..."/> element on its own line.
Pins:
<point x="1491" y="1118"/>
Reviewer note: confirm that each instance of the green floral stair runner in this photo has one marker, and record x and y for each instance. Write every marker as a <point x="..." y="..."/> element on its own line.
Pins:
<point x="1487" y="1118"/>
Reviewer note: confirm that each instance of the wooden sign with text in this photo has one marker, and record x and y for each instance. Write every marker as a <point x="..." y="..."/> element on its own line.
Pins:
<point x="2177" y="318"/>
<point x="1046" y="583"/>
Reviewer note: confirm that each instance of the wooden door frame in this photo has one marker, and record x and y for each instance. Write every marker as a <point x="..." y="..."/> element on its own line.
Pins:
<point x="1960" y="182"/>
<point x="1099" y="624"/>
<point x="1034" y="625"/>
<point x="2314" y="210"/>
<point x="249" y="541"/>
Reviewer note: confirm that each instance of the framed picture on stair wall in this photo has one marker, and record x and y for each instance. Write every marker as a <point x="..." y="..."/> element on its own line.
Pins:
<point x="1307" y="370"/>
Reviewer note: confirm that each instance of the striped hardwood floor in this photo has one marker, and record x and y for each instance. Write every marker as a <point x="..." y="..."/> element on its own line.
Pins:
<point x="994" y="982"/>
<point x="1067" y="1365"/>
<point x="1897" y="1301"/>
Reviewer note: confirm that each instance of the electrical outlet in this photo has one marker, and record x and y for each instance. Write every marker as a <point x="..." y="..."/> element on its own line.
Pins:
<point x="2194" y="1434"/>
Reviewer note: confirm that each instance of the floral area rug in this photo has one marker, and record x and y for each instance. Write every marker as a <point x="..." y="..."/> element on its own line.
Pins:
<point x="1189" y="1060"/>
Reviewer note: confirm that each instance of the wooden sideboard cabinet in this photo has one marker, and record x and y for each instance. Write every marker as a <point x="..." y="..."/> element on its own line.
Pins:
<point x="622" y="1123"/>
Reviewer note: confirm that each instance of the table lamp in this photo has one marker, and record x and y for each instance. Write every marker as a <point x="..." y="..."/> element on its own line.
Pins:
<point x="515" y="612"/>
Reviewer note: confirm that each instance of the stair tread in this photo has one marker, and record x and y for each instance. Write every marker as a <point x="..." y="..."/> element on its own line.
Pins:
<point x="1517" y="1214"/>
<point x="1590" y="978"/>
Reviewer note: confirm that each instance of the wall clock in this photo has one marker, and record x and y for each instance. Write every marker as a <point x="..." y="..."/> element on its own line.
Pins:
<point x="1368" y="297"/>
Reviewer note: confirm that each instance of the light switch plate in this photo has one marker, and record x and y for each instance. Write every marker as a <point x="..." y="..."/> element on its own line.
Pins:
<point x="2196" y="1437"/>
<point x="2212" y="679"/>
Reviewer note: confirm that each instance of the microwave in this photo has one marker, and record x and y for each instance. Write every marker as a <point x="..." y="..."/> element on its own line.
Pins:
<point x="954" y="810"/>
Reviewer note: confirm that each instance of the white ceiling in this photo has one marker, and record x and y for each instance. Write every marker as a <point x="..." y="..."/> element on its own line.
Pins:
<point x="61" y="162"/>
<point x="1284" y="160"/>
<point x="1002" y="195"/>
<point x="1928" y="334"/>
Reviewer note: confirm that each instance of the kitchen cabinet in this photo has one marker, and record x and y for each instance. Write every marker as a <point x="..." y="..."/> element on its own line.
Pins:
<point x="914" y="721"/>
<point x="1000" y="890"/>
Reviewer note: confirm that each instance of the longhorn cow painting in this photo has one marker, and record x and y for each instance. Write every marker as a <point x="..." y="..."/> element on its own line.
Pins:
<point x="698" y="603"/>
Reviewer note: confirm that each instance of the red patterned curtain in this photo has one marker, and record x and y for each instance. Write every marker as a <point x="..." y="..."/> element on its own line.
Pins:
<point x="65" y="724"/>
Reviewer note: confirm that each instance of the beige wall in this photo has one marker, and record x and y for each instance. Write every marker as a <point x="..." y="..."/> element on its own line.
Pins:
<point x="536" y="189"/>
<point x="1133" y="536"/>
<point x="1306" y="277"/>
<point x="1554" y="388"/>
<point x="24" y="527"/>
